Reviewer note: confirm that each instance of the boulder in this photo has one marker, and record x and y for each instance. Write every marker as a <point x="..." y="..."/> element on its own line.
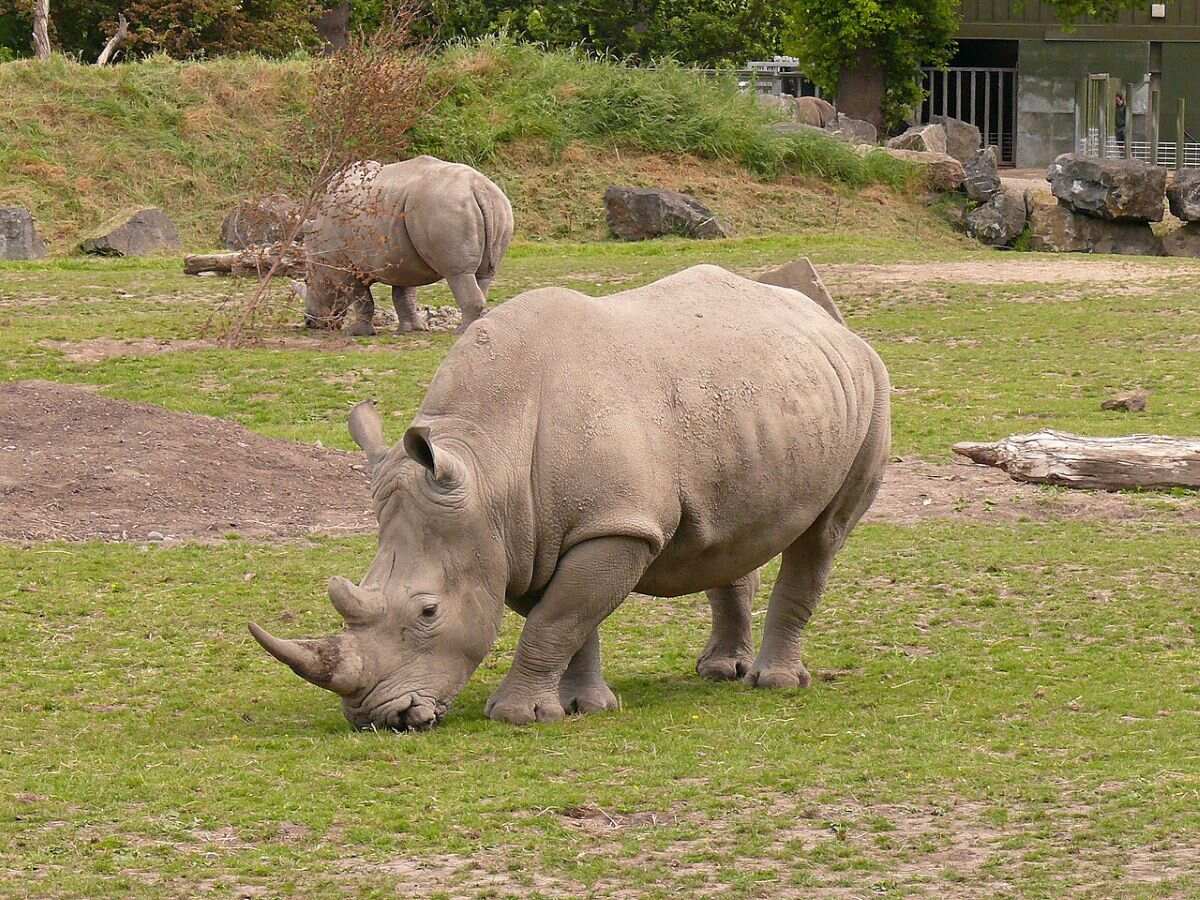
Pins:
<point x="133" y="233"/>
<point x="981" y="176"/>
<point x="1000" y="221"/>
<point x="263" y="220"/>
<point x="925" y="138"/>
<point x="1183" y="241"/>
<point x="1183" y="195"/>
<point x="1055" y="227"/>
<point x="963" y="139"/>
<point x="799" y="128"/>
<point x="1120" y="190"/>
<point x="1127" y="401"/>
<point x="635" y="214"/>
<point x="18" y="235"/>
<point x="941" y="171"/>
<point x="856" y="131"/>
<point x="813" y="111"/>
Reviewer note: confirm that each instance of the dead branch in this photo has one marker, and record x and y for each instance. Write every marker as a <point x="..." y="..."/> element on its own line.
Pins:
<point x="285" y="259"/>
<point x="41" y="26"/>
<point x="1108" y="464"/>
<point x="114" y="42"/>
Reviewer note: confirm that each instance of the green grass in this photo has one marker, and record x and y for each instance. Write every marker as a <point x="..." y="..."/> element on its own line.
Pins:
<point x="999" y="710"/>
<point x="1000" y="680"/>
<point x="78" y="143"/>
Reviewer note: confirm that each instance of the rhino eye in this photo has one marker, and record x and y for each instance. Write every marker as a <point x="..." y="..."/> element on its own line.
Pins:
<point x="429" y="610"/>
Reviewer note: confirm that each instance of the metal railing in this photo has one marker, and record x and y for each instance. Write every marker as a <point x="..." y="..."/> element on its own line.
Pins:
<point x="1115" y="149"/>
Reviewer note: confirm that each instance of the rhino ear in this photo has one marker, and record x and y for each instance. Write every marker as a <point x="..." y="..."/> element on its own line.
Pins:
<point x="367" y="430"/>
<point x="445" y="468"/>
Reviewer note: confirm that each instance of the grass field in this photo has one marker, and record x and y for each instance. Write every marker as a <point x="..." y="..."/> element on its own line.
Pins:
<point x="999" y="709"/>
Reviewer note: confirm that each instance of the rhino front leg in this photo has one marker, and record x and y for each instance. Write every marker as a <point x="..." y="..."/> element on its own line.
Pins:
<point x="730" y="649"/>
<point x="364" y="312"/>
<point x="469" y="297"/>
<point x="582" y="688"/>
<point x="590" y="582"/>
<point x="408" y="316"/>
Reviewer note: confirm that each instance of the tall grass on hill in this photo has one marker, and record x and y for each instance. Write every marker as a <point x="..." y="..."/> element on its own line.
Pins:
<point x="503" y="92"/>
<point x="78" y="143"/>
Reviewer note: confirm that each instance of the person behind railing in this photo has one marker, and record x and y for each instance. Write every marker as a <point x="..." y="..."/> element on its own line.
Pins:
<point x="1121" y="110"/>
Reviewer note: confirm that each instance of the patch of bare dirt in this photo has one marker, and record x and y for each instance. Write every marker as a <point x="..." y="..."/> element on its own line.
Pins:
<point x="915" y="491"/>
<point x="75" y="465"/>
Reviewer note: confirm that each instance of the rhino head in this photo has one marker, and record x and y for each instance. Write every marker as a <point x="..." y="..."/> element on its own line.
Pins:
<point x="429" y="608"/>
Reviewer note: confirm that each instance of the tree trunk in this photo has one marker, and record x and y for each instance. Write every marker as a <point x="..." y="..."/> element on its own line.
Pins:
<point x="41" y="25"/>
<point x="114" y="42"/>
<point x="1109" y="464"/>
<point x="860" y="89"/>
<point x="253" y="262"/>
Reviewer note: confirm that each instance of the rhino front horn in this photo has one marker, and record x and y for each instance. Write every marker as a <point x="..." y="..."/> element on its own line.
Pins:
<point x="323" y="662"/>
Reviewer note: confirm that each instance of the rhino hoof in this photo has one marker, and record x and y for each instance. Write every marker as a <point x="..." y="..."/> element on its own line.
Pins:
<point x="778" y="677"/>
<point x="723" y="668"/>
<point x="525" y="711"/>
<point x="590" y="697"/>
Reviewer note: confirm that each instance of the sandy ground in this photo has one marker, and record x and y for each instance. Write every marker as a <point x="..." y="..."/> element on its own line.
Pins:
<point x="75" y="465"/>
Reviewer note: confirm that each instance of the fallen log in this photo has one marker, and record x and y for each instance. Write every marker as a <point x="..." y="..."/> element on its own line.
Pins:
<point x="1107" y="464"/>
<point x="252" y="262"/>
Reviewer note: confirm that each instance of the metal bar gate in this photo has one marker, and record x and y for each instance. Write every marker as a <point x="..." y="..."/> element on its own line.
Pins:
<point x="985" y="97"/>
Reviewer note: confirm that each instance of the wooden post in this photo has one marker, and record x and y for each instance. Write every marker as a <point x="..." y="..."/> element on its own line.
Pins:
<point x="1153" y="125"/>
<point x="1080" y="115"/>
<point x="1179" y="134"/>
<point x="41" y="34"/>
<point x="1128" y="120"/>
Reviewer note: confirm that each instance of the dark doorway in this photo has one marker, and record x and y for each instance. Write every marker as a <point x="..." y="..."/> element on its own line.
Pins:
<point x="980" y="87"/>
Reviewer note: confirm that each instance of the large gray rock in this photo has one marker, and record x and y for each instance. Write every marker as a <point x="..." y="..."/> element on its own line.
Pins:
<point x="1183" y="241"/>
<point x="856" y="131"/>
<point x="1000" y="221"/>
<point x="133" y="233"/>
<point x="1121" y="190"/>
<point x="923" y="138"/>
<point x="1183" y="195"/>
<point x="1055" y="227"/>
<point x="263" y="220"/>
<point x="18" y="235"/>
<point x="981" y="176"/>
<point x="636" y="214"/>
<point x="941" y="171"/>
<point x="962" y="138"/>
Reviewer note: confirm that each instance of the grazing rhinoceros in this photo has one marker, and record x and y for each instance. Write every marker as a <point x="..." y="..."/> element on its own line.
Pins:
<point x="406" y="224"/>
<point x="668" y="439"/>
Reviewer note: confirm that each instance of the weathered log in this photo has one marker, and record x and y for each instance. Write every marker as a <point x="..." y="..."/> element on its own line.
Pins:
<point x="1108" y="464"/>
<point x="251" y="262"/>
<point x="114" y="42"/>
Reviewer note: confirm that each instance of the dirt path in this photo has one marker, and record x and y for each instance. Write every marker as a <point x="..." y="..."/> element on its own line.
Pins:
<point x="75" y="465"/>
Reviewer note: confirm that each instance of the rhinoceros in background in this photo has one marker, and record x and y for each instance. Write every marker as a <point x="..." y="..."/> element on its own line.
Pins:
<point x="405" y="224"/>
<point x="570" y="450"/>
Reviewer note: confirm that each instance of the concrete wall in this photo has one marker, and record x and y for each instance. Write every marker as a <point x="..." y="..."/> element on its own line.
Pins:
<point x="1047" y="74"/>
<point x="1180" y="78"/>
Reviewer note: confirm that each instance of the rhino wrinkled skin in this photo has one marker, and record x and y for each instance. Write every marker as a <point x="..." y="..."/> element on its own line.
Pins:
<point x="668" y="439"/>
<point x="405" y="224"/>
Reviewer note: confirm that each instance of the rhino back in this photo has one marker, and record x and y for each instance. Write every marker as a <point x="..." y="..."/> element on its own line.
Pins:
<point x="712" y="416"/>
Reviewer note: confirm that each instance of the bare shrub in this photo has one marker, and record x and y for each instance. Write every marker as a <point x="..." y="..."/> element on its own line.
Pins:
<point x="362" y="102"/>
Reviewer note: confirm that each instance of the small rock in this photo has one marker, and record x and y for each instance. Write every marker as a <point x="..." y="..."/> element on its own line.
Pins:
<point x="1183" y="196"/>
<point x="1129" y="401"/>
<point x="133" y="233"/>
<point x="635" y="214"/>
<point x="923" y="138"/>
<point x="981" y="175"/>
<point x="156" y="536"/>
<point x="18" y="235"/>
<point x="998" y="222"/>
<point x="962" y="138"/>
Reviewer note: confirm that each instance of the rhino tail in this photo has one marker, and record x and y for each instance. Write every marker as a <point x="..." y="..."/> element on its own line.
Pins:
<point x="497" y="226"/>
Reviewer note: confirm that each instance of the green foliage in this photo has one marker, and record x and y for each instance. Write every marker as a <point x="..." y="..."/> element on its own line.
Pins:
<point x="902" y="35"/>
<point x="501" y="91"/>
<point x="705" y="32"/>
<point x="181" y="28"/>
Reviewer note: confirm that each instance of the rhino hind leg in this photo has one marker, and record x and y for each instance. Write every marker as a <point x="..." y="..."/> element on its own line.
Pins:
<point x="590" y="581"/>
<point x="363" y="304"/>
<point x="582" y="688"/>
<point x="408" y="315"/>
<point x="730" y="650"/>
<point x="469" y="296"/>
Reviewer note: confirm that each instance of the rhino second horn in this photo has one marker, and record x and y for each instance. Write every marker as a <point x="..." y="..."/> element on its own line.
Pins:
<point x="354" y="604"/>
<point x="319" y="662"/>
